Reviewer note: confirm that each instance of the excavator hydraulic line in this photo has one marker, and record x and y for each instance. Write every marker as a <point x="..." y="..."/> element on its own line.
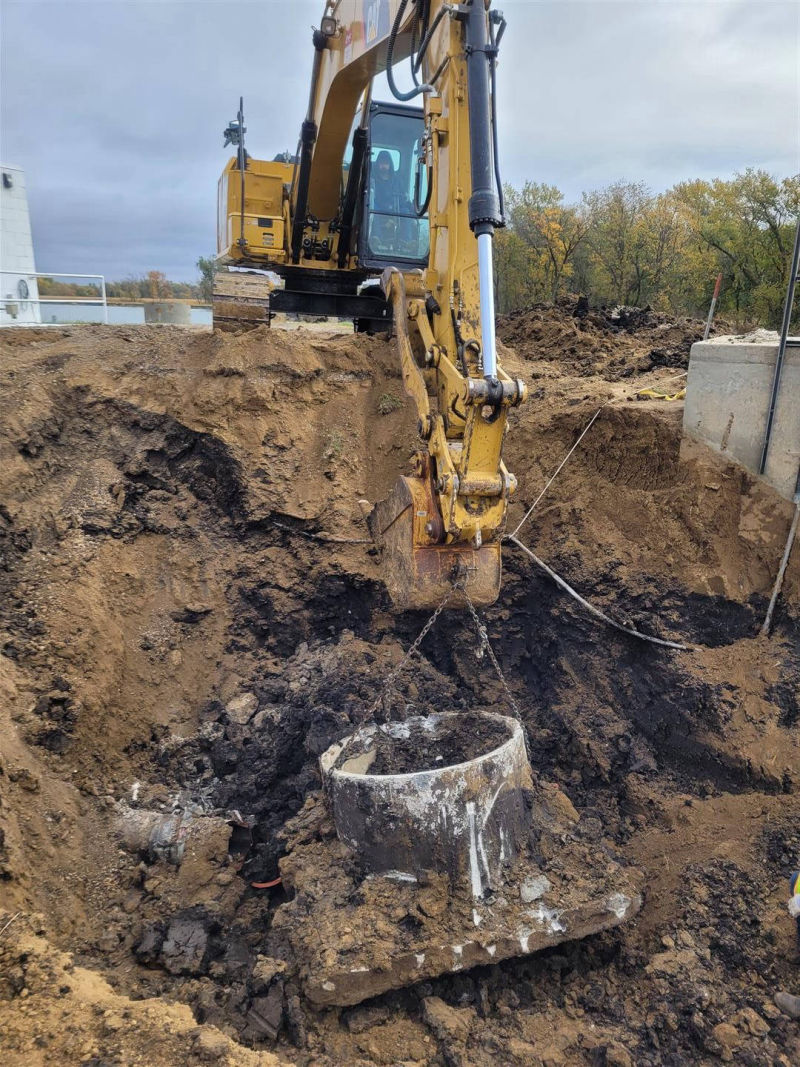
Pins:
<point x="360" y="146"/>
<point x="484" y="203"/>
<point x="308" y="137"/>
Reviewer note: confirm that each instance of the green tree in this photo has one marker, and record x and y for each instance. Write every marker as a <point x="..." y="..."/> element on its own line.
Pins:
<point x="617" y="238"/>
<point x="206" y="266"/>
<point x="746" y="225"/>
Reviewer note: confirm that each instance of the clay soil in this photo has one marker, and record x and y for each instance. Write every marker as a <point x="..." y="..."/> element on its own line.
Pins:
<point x="192" y="611"/>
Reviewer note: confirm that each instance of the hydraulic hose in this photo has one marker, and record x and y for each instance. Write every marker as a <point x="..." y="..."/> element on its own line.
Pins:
<point x="308" y="137"/>
<point x="427" y="38"/>
<point x="422" y="209"/>
<point x="495" y="45"/>
<point x="397" y="93"/>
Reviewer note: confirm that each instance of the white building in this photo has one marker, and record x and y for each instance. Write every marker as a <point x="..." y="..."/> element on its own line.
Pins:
<point x="19" y="293"/>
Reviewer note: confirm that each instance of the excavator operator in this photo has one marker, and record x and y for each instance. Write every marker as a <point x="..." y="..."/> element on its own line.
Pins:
<point x="392" y="229"/>
<point x="384" y="184"/>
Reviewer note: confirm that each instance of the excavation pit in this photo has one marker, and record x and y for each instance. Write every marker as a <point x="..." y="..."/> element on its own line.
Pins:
<point x="459" y="861"/>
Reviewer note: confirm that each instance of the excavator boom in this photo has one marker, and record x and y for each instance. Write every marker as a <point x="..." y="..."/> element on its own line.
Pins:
<point x="410" y="195"/>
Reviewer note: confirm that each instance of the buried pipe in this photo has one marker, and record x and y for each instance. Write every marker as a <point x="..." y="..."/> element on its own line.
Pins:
<point x="433" y="793"/>
<point x="166" y="837"/>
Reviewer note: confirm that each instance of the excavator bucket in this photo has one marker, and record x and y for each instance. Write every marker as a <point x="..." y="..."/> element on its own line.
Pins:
<point x="419" y="569"/>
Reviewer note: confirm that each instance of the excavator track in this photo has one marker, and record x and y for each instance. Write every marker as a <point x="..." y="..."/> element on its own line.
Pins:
<point x="240" y="301"/>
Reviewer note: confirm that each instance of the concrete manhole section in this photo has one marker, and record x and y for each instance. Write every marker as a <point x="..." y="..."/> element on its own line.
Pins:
<point x="443" y="793"/>
<point x="433" y="850"/>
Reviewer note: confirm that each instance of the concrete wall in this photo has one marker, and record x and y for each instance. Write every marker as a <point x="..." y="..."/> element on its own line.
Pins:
<point x="727" y="401"/>
<point x="172" y="311"/>
<point x="16" y="251"/>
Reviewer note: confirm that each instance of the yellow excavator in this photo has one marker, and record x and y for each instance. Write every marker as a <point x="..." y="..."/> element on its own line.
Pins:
<point x="387" y="215"/>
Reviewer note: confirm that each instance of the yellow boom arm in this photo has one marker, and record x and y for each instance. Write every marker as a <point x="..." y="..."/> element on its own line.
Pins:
<point x="447" y="518"/>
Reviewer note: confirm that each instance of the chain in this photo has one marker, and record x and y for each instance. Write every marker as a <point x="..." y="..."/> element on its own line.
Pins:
<point x="485" y="646"/>
<point x="390" y="679"/>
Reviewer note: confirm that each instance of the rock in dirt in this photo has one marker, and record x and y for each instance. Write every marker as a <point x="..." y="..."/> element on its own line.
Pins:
<point x="185" y="945"/>
<point x="727" y="1035"/>
<point x="148" y="948"/>
<point x="531" y="889"/>
<point x="191" y="613"/>
<point x="446" y="1023"/>
<point x="210" y="1045"/>
<point x="789" y="1004"/>
<point x="265" y="1015"/>
<point x="242" y="708"/>
<point x="751" y="1022"/>
<point x="364" y="1018"/>
<point x="266" y="969"/>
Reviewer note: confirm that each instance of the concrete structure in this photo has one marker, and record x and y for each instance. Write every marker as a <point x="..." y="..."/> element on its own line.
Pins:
<point x="19" y="291"/>
<point x="466" y="817"/>
<point x="727" y="401"/>
<point x="175" y="312"/>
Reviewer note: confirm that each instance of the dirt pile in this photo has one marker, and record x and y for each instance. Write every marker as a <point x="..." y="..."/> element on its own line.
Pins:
<point x="609" y="342"/>
<point x="67" y="1014"/>
<point x="180" y="640"/>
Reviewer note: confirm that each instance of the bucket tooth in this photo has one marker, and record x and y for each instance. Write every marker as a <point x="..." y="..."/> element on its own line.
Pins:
<point x="419" y="572"/>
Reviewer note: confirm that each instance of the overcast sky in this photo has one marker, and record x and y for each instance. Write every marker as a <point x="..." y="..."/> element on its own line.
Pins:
<point x="115" y="109"/>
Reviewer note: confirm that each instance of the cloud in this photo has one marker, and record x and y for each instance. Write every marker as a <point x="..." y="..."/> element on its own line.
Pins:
<point x="658" y="91"/>
<point x="115" y="109"/>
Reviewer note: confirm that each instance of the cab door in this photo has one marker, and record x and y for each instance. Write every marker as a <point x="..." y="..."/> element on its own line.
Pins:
<point x="392" y="232"/>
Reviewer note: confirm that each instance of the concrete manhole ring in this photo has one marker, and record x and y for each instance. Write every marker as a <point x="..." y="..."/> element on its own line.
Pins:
<point x="464" y="814"/>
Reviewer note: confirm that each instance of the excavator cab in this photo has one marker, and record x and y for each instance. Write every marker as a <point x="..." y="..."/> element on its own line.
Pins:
<point x="393" y="225"/>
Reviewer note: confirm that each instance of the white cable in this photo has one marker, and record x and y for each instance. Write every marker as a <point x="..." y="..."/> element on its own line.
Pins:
<point x="531" y="509"/>
<point x="591" y="608"/>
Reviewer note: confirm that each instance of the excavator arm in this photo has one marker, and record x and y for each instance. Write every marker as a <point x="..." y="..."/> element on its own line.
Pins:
<point x="445" y="520"/>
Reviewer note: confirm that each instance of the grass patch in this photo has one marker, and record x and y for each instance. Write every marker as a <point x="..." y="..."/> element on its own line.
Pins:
<point x="389" y="402"/>
<point x="334" y="446"/>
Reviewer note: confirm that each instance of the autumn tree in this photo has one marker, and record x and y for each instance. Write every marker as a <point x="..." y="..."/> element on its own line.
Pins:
<point x="157" y="285"/>
<point x="536" y="250"/>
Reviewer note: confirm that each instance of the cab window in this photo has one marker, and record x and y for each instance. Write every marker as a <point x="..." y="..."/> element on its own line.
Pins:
<point x="394" y="230"/>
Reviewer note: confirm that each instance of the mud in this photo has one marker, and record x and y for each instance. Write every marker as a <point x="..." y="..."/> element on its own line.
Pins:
<point x="613" y="342"/>
<point x="420" y="751"/>
<point x="179" y="638"/>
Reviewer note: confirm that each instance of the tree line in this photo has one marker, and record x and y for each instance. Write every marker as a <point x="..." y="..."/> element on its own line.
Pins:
<point x="154" y="285"/>
<point x="624" y="244"/>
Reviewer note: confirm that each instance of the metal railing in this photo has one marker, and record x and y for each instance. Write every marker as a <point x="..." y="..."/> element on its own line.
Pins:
<point x="100" y="301"/>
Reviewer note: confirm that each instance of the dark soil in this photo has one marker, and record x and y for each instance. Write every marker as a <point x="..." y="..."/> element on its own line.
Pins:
<point x="471" y="736"/>
<point x="610" y="342"/>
